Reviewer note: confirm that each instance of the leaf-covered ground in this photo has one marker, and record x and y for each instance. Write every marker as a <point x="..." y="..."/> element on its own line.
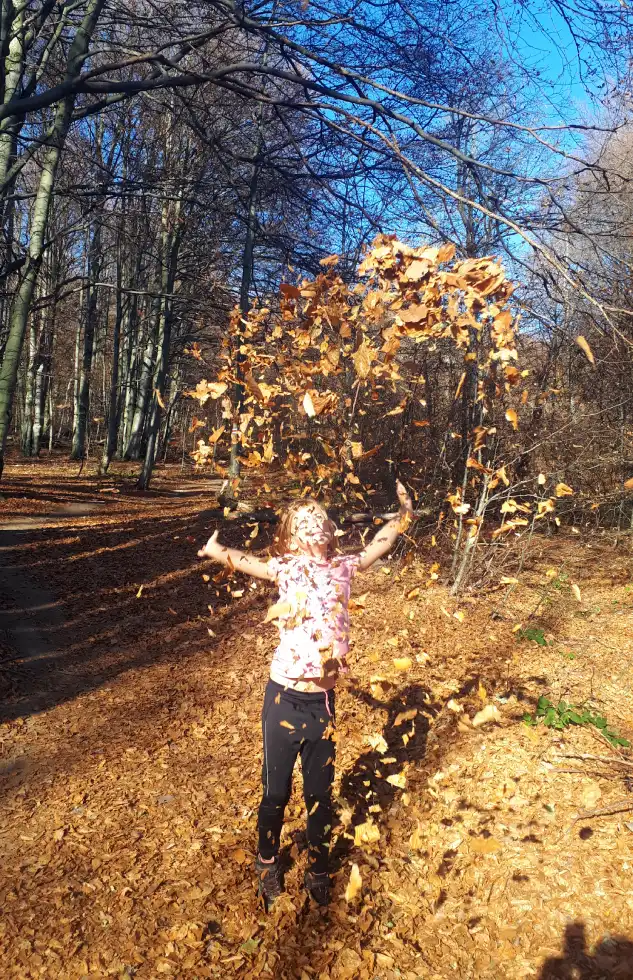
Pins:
<point x="131" y="756"/>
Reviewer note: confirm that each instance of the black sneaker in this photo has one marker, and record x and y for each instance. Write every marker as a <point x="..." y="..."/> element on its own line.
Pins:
<point x="318" y="887"/>
<point x="269" y="880"/>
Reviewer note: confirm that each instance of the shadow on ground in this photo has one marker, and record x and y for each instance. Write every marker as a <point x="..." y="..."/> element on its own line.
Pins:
<point x="612" y="958"/>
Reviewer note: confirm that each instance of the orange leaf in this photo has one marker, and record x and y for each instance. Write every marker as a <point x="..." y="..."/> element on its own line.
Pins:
<point x="485" y="845"/>
<point x="586" y="349"/>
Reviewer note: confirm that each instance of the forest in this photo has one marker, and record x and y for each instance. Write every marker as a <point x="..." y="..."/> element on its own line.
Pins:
<point x="257" y="252"/>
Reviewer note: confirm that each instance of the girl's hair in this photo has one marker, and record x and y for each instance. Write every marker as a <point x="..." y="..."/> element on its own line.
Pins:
<point x="281" y="541"/>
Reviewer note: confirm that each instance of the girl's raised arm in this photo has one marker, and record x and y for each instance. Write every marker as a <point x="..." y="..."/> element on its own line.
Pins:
<point x="235" y="559"/>
<point x="389" y="533"/>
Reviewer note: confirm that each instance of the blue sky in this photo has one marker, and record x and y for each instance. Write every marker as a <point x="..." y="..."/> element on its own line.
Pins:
<point x="569" y="78"/>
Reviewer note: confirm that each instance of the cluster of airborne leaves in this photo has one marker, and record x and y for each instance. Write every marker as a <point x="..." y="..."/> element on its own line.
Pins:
<point x="331" y="352"/>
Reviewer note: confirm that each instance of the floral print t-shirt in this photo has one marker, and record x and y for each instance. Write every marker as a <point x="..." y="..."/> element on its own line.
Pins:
<point x="313" y="615"/>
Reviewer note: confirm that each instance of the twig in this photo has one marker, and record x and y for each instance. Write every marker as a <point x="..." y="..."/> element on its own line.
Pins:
<point x="599" y="734"/>
<point x="620" y="806"/>
<point x="612" y="761"/>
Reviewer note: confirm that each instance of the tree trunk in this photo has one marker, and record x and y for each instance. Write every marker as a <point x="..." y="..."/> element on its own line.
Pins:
<point x="29" y="391"/>
<point x="171" y="237"/>
<point x="83" y="400"/>
<point x="139" y="419"/>
<point x="21" y="305"/>
<point x="245" y="287"/>
<point x="38" y="409"/>
<point x="113" y="409"/>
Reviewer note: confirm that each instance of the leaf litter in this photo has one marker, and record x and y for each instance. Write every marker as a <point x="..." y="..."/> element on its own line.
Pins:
<point x="129" y="808"/>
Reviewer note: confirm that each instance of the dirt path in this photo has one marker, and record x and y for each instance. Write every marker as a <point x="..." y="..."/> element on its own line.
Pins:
<point x="130" y="773"/>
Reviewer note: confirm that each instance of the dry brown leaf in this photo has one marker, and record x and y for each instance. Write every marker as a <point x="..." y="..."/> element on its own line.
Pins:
<point x="366" y="833"/>
<point x="278" y="611"/>
<point x="355" y="884"/>
<point x="590" y="793"/>
<point x="454" y="706"/>
<point x="586" y="349"/>
<point x="407" y="715"/>
<point x="377" y="743"/>
<point x="562" y="490"/>
<point x="362" y="359"/>
<point x="487" y="714"/>
<point x="485" y="845"/>
<point x="398" y="779"/>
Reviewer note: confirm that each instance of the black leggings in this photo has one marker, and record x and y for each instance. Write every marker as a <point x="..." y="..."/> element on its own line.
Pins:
<point x="295" y="724"/>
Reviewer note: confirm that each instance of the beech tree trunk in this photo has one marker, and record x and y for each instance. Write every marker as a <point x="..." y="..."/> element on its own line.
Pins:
<point x="21" y="305"/>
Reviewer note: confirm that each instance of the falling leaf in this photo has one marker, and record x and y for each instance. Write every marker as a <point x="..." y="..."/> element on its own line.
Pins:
<point x="512" y="417"/>
<point x="308" y="405"/>
<point x="398" y="779"/>
<point x="487" y="714"/>
<point x="377" y="743"/>
<point x="355" y="884"/>
<point x="575" y="589"/>
<point x="508" y="580"/>
<point x="215" y="435"/>
<point x="586" y="349"/>
<point x="416" y="841"/>
<point x="459" y="616"/>
<point x="207" y="389"/>
<point x="286" y="724"/>
<point x="485" y="845"/>
<point x="140" y="592"/>
<point x="278" y="611"/>
<point x="159" y="399"/>
<point x="629" y="484"/>
<point x="362" y="359"/>
<point x="454" y="706"/>
<point x="407" y="715"/>
<point x="482" y="693"/>
<point x="317" y="402"/>
<point x="562" y="490"/>
<point x="413" y="593"/>
<point x="330" y="260"/>
<point x="402" y="663"/>
<point x="460" y="386"/>
<point x="366" y="833"/>
<point x="542" y="479"/>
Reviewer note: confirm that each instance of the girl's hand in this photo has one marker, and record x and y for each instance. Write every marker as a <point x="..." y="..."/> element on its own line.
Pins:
<point x="406" y="504"/>
<point x="211" y="548"/>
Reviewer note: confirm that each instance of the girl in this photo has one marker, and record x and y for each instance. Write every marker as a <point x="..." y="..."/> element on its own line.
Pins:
<point x="298" y="713"/>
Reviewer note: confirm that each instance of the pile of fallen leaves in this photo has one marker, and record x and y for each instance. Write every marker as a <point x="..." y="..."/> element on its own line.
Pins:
<point x="464" y="844"/>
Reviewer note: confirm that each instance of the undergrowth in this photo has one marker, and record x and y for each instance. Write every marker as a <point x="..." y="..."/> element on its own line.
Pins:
<point x="563" y="714"/>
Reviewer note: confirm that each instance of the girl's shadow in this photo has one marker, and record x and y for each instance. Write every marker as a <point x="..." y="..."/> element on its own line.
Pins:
<point x="612" y="958"/>
<point x="365" y="789"/>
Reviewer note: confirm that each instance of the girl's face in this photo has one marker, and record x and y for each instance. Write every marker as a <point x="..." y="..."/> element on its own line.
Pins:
<point x="311" y="531"/>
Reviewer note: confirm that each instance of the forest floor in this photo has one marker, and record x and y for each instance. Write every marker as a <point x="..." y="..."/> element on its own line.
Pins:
<point x="130" y="756"/>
